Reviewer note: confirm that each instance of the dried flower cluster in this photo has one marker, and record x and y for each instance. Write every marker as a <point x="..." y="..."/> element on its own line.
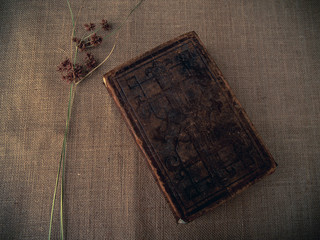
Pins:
<point x="105" y="25"/>
<point x="74" y="72"/>
<point x="90" y="26"/>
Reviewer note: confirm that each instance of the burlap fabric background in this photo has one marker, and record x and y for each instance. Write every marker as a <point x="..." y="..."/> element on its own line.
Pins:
<point x="269" y="52"/>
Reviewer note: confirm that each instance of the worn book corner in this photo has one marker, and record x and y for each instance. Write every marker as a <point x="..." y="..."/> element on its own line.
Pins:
<point x="197" y="139"/>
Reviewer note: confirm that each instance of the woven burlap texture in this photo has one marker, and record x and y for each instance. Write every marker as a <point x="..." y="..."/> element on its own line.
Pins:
<point x="268" y="51"/>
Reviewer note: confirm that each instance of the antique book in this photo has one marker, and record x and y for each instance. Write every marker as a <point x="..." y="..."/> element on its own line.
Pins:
<point x="197" y="139"/>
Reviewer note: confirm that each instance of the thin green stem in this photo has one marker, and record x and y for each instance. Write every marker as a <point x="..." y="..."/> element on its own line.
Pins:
<point x="109" y="35"/>
<point x="139" y="3"/>
<point x="62" y="161"/>
<point x="75" y="56"/>
<point x="88" y="74"/>
<point x="71" y="98"/>
<point x="72" y="35"/>
<point x="86" y="37"/>
<point x="54" y="197"/>
<point x="118" y="28"/>
<point x="62" y="165"/>
<point x="61" y="188"/>
<point x="71" y="13"/>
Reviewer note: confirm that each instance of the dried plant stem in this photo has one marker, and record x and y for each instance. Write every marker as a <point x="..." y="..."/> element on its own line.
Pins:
<point x="64" y="144"/>
<point x="118" y="28"/>
<point x="71" y="99"/>
<point x="88" y="74"/>
<point x="72" y="34"/>
<point x="132" y="11"/>
<point x="54" y="197"/>
<point x="73" y="58"/>
<point x="71" y="13"/>
<point x="62" y="165"/>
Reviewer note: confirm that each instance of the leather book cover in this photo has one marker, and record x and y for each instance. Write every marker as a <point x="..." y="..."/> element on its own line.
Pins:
<point x="197" y="139"/>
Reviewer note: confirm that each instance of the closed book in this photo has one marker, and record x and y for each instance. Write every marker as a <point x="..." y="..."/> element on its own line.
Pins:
<point x="196" y="137"/>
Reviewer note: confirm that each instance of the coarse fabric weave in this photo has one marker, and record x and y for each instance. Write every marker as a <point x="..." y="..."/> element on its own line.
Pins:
<point x="269" y="52"/>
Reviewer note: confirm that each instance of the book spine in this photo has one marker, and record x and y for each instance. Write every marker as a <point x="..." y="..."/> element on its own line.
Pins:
<point x="160" y="182"/>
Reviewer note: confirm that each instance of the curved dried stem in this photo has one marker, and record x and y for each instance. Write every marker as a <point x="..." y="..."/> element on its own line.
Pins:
<point x="121" y="25"/>
<point x="88" y="74"/>
<point x="73" y="59"/>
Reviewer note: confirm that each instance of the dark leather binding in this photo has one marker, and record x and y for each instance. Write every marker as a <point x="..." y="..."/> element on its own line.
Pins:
<point x="198" y="141"/>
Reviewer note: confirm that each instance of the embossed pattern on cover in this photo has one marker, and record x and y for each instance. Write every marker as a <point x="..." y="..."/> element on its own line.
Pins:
<point x="198" y="140"/>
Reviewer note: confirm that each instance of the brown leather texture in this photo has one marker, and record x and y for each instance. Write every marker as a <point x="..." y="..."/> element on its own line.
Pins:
<point x="197" y="139"/>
